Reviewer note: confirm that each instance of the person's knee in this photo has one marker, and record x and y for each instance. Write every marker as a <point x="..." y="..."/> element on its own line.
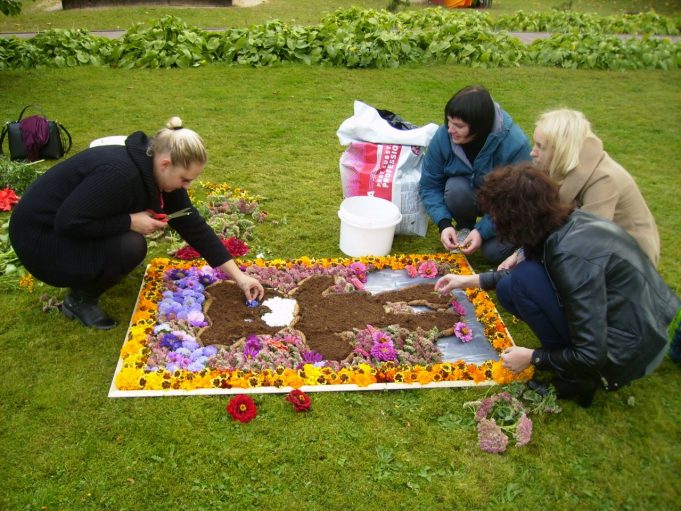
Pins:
<point x="133" y="250"/>
<point x="459" y="196"/>
<point x="495" y="252"/>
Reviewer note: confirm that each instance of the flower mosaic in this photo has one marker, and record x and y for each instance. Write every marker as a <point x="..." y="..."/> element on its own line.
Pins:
<point x="163" y="353"/>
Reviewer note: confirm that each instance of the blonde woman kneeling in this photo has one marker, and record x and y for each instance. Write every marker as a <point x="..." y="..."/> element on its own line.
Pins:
<point x="567" y="149"/>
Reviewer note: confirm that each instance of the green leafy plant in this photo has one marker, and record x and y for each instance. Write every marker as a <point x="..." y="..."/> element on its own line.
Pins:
<point x="18" y="175"/>
<point x="366" y="38"/>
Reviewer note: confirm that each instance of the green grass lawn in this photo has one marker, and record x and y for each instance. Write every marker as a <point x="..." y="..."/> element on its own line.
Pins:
<point x="65" y="445"/>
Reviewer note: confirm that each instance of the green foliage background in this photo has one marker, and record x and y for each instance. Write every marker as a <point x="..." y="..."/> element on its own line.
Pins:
<point x="271" y="130"/>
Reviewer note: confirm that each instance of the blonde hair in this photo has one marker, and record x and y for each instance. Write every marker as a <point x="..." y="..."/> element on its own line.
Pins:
<point x="565" y="131"/>
<point x="185" y="146"/>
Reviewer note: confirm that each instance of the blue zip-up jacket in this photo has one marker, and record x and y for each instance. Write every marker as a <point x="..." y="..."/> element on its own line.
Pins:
<point x="506" y="144"/>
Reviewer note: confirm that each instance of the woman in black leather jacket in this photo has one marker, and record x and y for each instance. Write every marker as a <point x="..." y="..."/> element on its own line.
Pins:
<point x="595" y="301"/>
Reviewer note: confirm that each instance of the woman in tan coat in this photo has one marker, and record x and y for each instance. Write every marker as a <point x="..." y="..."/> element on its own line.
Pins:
<point x="589" y="178"/>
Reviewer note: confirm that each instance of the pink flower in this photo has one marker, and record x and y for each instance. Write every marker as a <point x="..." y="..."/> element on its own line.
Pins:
<point x="428" y="269"/>
<point x="412" y="272"/>
<point x="462" y="331"/>
<point x="490" y="436"/>
<point x="360" y="271"/>
<point x="355" y="281"/>
<point x="523" y="434"/>
<point x="458" y="308"/>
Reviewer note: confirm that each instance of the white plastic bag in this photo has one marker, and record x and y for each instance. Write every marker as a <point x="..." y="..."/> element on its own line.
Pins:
<point x="385" y="162"/>
<point x="367" y="125"/>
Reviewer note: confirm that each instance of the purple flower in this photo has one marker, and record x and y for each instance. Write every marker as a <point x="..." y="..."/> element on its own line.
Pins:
<point x="190" y="344"/>
<point x="379" y="336"/>
<point x="383" y="351"/>
<point x="196" y="318"/>
<point x="523" y="434"/>
<point x="206" y="280"/>
<point x="462" y="331"/>
<point x="312" y="357"/>
<point x="195" y="367"/>
<point x="490" y="437"/>
<point x="176" y="274"/>
<point x="252" y="347"/>
<point x="210" y="351"/>
<point x="484" y="408"/>
<point x="171" y="342"/>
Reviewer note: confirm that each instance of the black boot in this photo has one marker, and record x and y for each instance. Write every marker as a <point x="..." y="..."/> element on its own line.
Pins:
<point x="85" y="307"/>
<point x="582" y="391"/>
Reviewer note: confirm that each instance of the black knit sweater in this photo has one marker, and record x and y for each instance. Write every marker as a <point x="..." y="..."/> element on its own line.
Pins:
<point x="59" y="221"/>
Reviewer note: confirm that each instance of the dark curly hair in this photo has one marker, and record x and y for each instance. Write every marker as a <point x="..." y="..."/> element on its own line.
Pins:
<point x="524" y="203"/>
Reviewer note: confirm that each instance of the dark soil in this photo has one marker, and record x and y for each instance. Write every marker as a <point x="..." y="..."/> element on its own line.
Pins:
<point x="322" y="317"/>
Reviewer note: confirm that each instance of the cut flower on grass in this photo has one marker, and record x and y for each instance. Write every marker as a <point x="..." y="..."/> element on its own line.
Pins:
<point x="163" y="353"/>
<point x="301" y="402"/>
<point x="7" y="199"/>
<point x="242" y="408"/>
<point x="504" y="416"/>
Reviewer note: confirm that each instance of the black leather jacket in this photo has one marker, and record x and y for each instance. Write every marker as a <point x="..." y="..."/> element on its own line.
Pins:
<point x="617" y="306"/>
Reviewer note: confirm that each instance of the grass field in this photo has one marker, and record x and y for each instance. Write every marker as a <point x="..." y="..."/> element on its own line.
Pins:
<point x="65" y="445"/>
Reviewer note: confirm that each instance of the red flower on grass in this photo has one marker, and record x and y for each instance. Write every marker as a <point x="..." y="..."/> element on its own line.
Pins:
<point x="242" y="408"/>
<point x="300" y="401"/>
<point x="7" y="199"/>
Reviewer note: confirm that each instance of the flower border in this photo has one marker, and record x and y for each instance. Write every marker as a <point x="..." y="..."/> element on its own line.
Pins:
<point x="131" y="379"/>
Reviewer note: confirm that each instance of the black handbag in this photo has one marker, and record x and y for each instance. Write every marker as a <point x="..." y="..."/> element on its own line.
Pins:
<point x="57" y="145"/>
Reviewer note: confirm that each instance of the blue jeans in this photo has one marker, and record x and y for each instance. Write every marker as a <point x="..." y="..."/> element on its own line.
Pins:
<point x="527" y="292"/>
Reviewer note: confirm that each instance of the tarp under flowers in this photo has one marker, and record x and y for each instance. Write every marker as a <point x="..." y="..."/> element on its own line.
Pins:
<point x="163" y="355"/>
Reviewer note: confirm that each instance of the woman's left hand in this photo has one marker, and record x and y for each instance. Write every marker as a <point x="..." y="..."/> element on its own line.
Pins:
<point x="516" y="358"/>
<point x="472" y="242"/>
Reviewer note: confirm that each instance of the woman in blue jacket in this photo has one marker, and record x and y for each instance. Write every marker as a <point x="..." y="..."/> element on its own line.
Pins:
<point x="477" y="137"/>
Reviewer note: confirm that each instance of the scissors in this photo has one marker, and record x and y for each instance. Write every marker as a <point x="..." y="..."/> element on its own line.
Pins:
<point x="165" y="217"/>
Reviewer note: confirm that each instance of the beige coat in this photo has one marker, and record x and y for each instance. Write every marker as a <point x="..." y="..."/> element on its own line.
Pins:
<point x="603" y="187"/>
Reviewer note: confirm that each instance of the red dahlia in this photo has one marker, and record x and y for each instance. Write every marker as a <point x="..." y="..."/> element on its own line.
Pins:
<point x="300" y="401"/>
<point x="242" y="408"/>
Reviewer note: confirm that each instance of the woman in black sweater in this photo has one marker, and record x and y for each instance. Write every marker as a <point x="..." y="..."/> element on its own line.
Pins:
<point x="82" y="224"/>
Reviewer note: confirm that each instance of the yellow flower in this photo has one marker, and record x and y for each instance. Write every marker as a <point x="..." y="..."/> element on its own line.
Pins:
<point x="128" y="379"/>
<point x="26" y="281"/>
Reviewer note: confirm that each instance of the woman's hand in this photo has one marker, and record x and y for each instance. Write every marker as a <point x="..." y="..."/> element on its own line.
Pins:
<point x="252" y="289"/>
<point x="516" y="358"/>
<point x="144" y="223"/>
<point x="446" y="284"/>
<point x="448" y="238"/>
<point x="510" y="262"/>
<point x="472" y="242"/>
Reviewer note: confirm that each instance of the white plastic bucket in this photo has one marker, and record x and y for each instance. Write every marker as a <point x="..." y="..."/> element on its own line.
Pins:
<point x="367" y="226"/>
